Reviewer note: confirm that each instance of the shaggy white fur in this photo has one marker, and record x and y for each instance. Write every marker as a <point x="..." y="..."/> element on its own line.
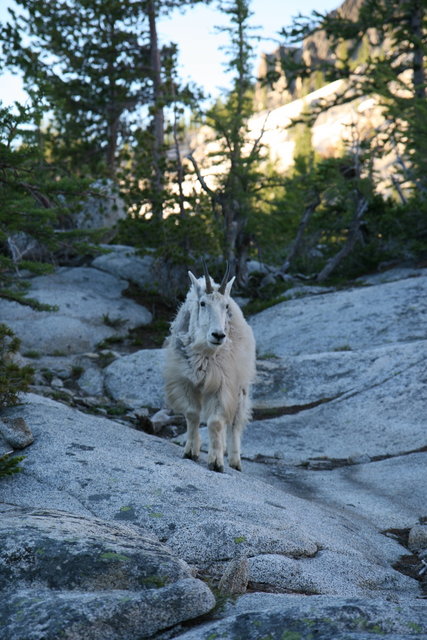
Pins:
<point x="210" y="366"/>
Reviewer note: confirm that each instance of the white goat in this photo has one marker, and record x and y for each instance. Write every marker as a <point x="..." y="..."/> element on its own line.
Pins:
<point x="210" y="365"/>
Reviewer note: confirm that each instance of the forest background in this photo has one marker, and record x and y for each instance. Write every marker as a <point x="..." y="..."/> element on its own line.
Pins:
<point x="109" y="114"/>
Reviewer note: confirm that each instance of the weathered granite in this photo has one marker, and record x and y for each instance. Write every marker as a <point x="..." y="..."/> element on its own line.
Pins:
<point x="359" y="318"/>
<point x="68" y="576"/>
<point x="294" y="617"/>
<point x="136" y="380"/>
<point x="96" y="467"/>
<point x="124" y="262"/>
<point x="90" y="308"/>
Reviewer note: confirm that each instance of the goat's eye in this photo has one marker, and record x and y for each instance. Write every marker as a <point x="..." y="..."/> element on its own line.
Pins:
<point x="227" y="306"/>
<point x="203" y="304"/>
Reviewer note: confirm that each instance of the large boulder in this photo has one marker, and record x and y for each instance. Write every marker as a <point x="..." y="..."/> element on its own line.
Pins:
<point x="372" y="402"/>
<point x="68" y="576"/>
<point x="359" y="318"/>
<point x="148" y="271"/>
<point x="136" y="380"/>
<point x="90" y="308"/>
<point x="342" y="392"/>
<point x="290" y="617"/>
<point x="103" y="208"/>
<point x="124" y="262"/>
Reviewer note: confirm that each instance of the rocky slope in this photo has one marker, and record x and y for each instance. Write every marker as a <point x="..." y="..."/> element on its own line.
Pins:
<point x="108" y="533"/>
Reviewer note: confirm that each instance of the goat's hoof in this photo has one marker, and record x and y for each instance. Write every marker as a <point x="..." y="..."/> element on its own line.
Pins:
<point x="214" y="466"/>
<point x="190" y="456"/>
<point x="235" y="463"/>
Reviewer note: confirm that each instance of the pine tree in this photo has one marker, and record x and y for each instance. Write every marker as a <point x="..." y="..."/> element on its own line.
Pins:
<point x="89" y="62"/>
<point x="234" y="197"/>
<point x="37" y="199"/>
<point x="100" y="69"/>
<point x="381" y="52"/>
<point x="393" y="35"/>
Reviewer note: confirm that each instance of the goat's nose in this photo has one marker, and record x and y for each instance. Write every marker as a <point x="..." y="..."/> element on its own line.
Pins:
<point x="218" y="336"/>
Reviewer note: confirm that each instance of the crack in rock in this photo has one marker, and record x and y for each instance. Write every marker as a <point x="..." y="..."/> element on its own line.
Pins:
<point x="276" y="412"/>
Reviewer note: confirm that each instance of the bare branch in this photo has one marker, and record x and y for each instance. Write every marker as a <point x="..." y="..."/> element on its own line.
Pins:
<point x="200" y="178"/>
<point x="310" y="209"/>
<point x="256" y="143"/>
<point x="353" y="236"/>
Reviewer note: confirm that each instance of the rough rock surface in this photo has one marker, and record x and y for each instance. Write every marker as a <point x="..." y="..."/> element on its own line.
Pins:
<point x="136" y="379"/>
<point x="290" y="617"/>
<point x="360" y="318"/>
<point x="124" y="262"/>
<point x="146" y="271"/>
<point x="331" y="501"/>
<point x="78" y="577"/>
<point x="93" y="466"/>
<point x="90" y="309"/>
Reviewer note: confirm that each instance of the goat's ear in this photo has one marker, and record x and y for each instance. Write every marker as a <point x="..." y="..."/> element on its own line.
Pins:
<point x="195" y="283"/>
<point x="229" y="285"/>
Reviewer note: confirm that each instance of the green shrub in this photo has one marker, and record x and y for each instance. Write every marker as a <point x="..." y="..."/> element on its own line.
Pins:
<point x="13" y="378"/>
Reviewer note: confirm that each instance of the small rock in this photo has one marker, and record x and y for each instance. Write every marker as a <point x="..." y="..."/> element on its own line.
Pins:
<point x="16" y="432"/>
<point x="92" y="381"/>
<point x="235" y="578"/>
<point x="160" y="419"/>
<point x="418" y="537"/>
<point x="56" y="383"/>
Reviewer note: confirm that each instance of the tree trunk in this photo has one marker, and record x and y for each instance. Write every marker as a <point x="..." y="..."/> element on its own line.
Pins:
<point x="353" y="236"/>
<point x="112" y="133"/>
<point x="305" y="219"/>
<point x="158" y="123"/>
<point x="416" y="22"/>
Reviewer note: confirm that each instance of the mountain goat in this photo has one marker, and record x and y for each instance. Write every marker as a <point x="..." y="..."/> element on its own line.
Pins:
<point x="210" y="366"/>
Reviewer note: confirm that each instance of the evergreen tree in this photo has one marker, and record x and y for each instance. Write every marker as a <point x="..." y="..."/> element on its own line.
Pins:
<point x="379" y="52"/>
<point x="37" y="199"/>
<point x="13" y="380"/>
<point x="88" y="60"/>
<point x="166" y="93"/>
<point x="234" y="197"/>
<point x="98" y="66"/>
<point x="393" y="36"/>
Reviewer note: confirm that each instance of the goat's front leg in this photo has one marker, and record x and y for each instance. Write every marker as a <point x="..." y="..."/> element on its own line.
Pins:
<point x="216" y="428"/>
<point x="192" y="446"/>
<point x="234" y="433"/>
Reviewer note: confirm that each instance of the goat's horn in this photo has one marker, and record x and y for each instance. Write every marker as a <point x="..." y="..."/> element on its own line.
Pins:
<point x="207" y="278"/>
<point x="224" y="280"/>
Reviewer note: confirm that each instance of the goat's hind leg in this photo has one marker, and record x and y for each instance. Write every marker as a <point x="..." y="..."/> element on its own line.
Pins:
<point x="192" y="446"/>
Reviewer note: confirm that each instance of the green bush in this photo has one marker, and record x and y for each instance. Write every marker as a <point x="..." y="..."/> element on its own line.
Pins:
<point x="13" y="378"/>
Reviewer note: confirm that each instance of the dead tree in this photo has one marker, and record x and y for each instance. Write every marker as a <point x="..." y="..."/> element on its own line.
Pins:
<point x="354" y="235"/>
<point x="296" y="244"/>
